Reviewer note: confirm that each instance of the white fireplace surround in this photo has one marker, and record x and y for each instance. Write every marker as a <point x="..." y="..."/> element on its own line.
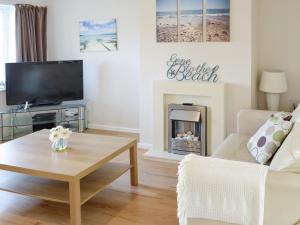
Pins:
<point x="165" y="92"/>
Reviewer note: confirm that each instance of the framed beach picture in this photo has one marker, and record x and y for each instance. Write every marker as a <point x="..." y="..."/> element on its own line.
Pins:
<point x="98" y="36"/>
<point x="218" y="20"/>
<point x="191" y="21"/>
<point x="166" y="21"/>
<point x="184" y="20"/>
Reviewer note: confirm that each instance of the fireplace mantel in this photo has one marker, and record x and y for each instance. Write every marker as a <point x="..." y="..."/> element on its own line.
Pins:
<point x="211" y="95"/>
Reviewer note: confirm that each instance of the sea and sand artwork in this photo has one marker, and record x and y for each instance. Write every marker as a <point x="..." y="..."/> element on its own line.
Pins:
<point x="98" y="36"/>
<point x="183" y="20"/>
<point x="179" y="26"/>
<point x="218" y="20"/>
<point x="166" y="21"/>
<point x="191" y="21"/>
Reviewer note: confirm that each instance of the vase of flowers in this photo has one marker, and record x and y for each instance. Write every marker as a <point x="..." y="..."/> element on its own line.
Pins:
<point x="59" y="137"/>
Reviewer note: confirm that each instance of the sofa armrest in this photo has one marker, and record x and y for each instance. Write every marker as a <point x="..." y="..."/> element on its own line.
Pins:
<point x="282" y="199"/>
<point x="249" y="121"/>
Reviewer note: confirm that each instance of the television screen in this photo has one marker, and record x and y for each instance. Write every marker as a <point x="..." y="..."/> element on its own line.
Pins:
<point x="43" y="83"/>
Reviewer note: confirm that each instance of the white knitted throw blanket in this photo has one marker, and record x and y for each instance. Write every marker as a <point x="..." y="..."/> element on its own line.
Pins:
<point x="222" y="190"/>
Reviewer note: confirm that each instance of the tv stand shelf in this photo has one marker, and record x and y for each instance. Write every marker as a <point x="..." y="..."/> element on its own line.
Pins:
<point x="16" y="122"/>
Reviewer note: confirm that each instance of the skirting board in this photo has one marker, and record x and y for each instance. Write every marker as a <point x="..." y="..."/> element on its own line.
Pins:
<point x="144" y="146"/>
<point x="150" y="154"/>
<point x="163" y="156"/>
<point x="113" y="128"/>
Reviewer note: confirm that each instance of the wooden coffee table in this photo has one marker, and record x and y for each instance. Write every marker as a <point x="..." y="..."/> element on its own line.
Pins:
<point x="28" y="166"/>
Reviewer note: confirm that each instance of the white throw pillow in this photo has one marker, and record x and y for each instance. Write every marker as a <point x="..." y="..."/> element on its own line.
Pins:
<point x="296" y="114"/>
<point x="287" y="157"/>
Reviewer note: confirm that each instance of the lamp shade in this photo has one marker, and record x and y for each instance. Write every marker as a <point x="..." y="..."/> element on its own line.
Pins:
<point x="273" y="82"/>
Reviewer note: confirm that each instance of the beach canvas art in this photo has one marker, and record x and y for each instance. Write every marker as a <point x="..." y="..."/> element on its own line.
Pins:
<point x="183" y="26"/>
<point x="98" y="36"/>
<point x="167" y="21"/>
<point x="191" y="21"/>
<point x="218" y="20"/>
<point x="182" y="20"/>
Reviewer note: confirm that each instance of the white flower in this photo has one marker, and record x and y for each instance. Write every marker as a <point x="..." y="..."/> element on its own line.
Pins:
<point x="54" y="136"/>
<point x="65" y="133"/>
<point x="59" y="132"/>
<point x="58" y="128"/>
<point x="53" y="129"/>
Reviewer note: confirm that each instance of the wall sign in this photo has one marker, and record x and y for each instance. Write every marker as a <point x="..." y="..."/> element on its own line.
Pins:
<point x="181" y="69"/>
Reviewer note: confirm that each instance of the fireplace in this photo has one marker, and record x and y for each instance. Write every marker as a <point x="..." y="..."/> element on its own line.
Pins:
<point x="187" y="131"/>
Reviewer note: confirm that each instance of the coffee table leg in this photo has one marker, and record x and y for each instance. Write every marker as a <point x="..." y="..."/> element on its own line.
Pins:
<point x="75" y="203"/>
<point x="133" y="163"/>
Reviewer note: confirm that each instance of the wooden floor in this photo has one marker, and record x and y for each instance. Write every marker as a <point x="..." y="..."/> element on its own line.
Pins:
<point x="153" y="202"/>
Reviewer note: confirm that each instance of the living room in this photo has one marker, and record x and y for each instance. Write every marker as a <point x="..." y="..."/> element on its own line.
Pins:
<point x="155" y="84"/>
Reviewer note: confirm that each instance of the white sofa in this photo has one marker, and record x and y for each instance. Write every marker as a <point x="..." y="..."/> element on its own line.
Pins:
<point x="282" y="200"/>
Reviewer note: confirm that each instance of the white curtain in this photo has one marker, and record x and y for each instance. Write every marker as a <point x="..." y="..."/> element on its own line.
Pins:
<point x="7" y="39"/>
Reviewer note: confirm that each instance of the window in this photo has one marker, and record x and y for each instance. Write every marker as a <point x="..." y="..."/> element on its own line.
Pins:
<point x="7" y="39"/>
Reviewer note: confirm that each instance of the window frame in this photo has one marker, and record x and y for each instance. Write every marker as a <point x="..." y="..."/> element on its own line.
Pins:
<point x="7" y="31"/>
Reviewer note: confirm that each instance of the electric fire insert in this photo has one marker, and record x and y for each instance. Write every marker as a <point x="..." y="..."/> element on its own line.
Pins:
<point x="187" y="131"/>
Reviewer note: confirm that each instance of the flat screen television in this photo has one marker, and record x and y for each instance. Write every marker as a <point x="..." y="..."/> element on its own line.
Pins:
<point x="44" y="83"/>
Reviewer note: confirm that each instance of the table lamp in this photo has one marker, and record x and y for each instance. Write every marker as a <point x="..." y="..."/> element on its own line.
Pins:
<point x="273" y="84"/>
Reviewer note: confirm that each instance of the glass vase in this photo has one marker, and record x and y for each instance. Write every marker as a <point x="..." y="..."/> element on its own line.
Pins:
<point x="60" y="145"/>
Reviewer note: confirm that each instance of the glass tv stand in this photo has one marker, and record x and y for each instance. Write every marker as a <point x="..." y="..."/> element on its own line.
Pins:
<point x="19" y="122"/>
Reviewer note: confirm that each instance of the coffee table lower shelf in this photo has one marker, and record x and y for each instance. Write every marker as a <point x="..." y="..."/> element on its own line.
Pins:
<point x="58" y="191"/>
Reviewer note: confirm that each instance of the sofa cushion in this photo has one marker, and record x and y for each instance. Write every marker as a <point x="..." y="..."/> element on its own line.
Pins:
<point x="269" y="137"/>
<point x="287" y="157"/>
<point x="234" y="148"/>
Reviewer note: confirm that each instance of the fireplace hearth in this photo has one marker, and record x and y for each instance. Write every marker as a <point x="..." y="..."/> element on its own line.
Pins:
<point x="187" y="132"/>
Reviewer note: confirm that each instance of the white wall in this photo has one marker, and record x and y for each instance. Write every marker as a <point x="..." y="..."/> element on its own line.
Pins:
<point x="234" y="58"/>
<point x="254" y="82"/>
<point x="279" y="45"/>
<point x="111" y="78"/>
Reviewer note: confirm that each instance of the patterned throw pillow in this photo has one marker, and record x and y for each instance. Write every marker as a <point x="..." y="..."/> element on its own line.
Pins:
<point x="264" y="144"/>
